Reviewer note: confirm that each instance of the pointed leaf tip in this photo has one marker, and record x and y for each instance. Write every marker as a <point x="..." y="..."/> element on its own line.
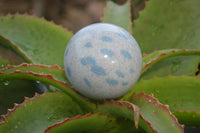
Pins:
<point x="150" y="106"/>
<point x="130" y="106"/>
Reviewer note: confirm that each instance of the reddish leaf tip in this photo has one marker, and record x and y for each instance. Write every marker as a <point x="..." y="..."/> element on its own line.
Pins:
<point x="129" y="106"/>
<point x="26" y="98"/>
<point x="155" y="101"/>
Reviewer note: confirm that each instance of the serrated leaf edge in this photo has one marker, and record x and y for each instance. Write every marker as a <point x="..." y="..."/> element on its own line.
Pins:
<point x="70" y="119"/>
<point x="16" y="49"/>
<point x="156" y="102"/>
<point x="40" y="18"/>
<point x="172" y="53"/>
<point x="170" y="75"/>
<point x="48" y="76"/>
<point x="3" y="119"/>
<point x="129" y="106"/>
<point x="131" y="92"/>
<point x="32" y="65"/>
<point x="72" y="93"/>
<point x="185" y="111"/>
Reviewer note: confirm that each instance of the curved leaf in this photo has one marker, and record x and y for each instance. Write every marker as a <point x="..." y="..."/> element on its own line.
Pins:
<point x="180" y="92"/>
<point x="9" y="51"/>
<point x="168" y="24"/>
<point x="119" y="15"/>
<point x="188" y="118"/>
<point x="14" y="91"/>
<point x="153" y="116"/>
<point x="120" y="109"/>
<point x="158" y="115"/>
<point x="128" y="111"/>
<point x="175" y="62"/>
<point x="51" y="75"/>
<point x="7" y="56"/>
<point x="36" y="114"/>
<point x="152" y="57"/>
<point x="89" y="123"/>
<point x="55" y="71"/>
<point x="42" y="42"/>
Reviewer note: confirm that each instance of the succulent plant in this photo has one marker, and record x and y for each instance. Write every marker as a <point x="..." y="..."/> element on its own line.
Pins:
<point x="165" y="99"/>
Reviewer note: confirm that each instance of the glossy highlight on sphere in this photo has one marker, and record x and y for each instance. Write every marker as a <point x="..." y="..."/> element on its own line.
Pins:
<point x="102" y="61"/>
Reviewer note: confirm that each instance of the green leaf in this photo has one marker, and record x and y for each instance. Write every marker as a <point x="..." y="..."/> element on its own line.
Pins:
<point x="180" y="92"/>
<point x="56" y="72"/>
<point x="51" y="75"/>
<point x="158" y="115"/>
<point x="148" y="58"/>
<point x="168" y="24"/>
<point x="41" y="41"/>
<point x="4" y="63"/>
<point x="188" y="118"/>
<point x="128" y="111"/>
<point x="36" y="114"/>
<point x="151" y="115"/>
<point x="89" y="123"/>
<point x="7" y="56"/>
<point x="175" y="62"/>
<point x="120" y="109"/>
<point x="14" y="91"/>
<point x="10" y="52"/>
<point x="119" y="15"/>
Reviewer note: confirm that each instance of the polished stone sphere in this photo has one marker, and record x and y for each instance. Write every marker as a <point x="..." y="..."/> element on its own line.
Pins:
<point x="102" y="61"/>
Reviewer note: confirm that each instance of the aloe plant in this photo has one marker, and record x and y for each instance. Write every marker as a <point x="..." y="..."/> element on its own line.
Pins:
<point x="35" y="95"/>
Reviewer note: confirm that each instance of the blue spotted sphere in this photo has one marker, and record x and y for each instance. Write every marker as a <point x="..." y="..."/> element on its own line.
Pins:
<point x="102" y="61"/>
